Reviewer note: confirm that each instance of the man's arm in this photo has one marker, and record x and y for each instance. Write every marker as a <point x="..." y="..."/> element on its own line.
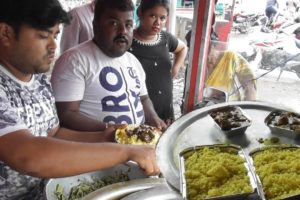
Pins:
<point x="150" y="115"/>
<point x="108" y="135"/>
<point x="70" y="117"/>
<point x="50" y="157"/>
<point x="246" y="78"/>
<point x="250" y="91"/>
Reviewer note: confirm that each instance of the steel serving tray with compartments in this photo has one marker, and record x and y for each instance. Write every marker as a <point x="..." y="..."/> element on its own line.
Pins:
<point x="231" y="149"/>
<point x="198" y="128"/>
<point x="285" y="123"/>
<point x="276" y="169"/>
<point x="231" y="120"/>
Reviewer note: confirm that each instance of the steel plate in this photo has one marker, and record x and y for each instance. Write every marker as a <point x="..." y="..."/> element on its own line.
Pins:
<point x="197" y="128"/>
<point x="68" y="182"/>
<point x="159" y="192"/>
<point x="119" y="190"/>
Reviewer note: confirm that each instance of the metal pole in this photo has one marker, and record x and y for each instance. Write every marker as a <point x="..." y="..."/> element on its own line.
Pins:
<point x="202" y="22"/>
<point x="172" y="17"/>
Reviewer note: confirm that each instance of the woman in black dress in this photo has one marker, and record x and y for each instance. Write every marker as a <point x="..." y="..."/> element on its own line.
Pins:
<point x="152" y="46"/>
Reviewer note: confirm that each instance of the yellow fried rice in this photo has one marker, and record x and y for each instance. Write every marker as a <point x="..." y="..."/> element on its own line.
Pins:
<point x="279" y="171"/>
<point x="211" y="173"/>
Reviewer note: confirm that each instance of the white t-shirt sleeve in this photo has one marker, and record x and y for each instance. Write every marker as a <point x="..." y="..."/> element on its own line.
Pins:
<point x="68" y="78"/>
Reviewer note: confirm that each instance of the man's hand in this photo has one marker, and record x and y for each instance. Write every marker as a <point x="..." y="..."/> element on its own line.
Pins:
<point x="169" y="122"/>
<point x="110" y="133"/>
<point x="151" y="118"/>
<point x="161" y="124"/>
<point x="157" y="122"/>
<point x="145" y="157"/>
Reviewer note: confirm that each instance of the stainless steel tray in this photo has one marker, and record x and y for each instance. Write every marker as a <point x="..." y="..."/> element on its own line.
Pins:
<point x="284" y="130"/>
<point x="68" y="182"/>
<point x="232" y="149"/>
<point x="236" y="130"/>
<point x="197" y="128"/>
<point x="259" y="182"/>
<point x="158" y="192"/>
<point x="119" y="190"/>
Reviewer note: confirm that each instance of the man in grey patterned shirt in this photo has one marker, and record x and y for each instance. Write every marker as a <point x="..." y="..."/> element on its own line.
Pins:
<point x="32" y="144"/>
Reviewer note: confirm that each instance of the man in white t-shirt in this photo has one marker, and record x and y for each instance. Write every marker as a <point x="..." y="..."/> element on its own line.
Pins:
<point x="80" y="29"/>
<point x="98" y="82"/>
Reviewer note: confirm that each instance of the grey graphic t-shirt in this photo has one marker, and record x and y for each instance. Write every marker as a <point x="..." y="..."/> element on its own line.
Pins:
<point x="29" y="105"/>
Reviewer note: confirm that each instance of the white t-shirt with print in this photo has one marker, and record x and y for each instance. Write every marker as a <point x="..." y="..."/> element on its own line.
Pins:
<point x="26" y="105"/>
<point x="109" y="88"/>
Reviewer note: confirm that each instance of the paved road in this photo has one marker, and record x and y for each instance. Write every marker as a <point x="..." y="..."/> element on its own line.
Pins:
<point x="285" y="92"/>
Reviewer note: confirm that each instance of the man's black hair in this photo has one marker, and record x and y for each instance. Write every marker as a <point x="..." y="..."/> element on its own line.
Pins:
<point x="39" y="14"/>
<point x="103" y="5"/>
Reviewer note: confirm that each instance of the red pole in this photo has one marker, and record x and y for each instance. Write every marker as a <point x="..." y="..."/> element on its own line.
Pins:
<point x="198" y="53"/>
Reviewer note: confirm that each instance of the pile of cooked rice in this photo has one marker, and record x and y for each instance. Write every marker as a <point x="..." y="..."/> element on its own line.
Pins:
<point x="279" y="171"/>
<point x="211" y="172"/>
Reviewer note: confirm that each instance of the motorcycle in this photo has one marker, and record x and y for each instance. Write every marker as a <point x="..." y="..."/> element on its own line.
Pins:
<point x="243" y="23"/>
<point x="274" y="56"/>
<point x="279" y="59"/>
<point x="278" y="22"/>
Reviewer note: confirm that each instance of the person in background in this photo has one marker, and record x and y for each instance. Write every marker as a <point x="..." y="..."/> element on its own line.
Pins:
<point x="98" y="82"/>
<point x="80" y="28"/>
<point x="229" y="72"/>
<point x="152" y="46"/>
<point x="32" y="143"/>
<point x="271" y="8"/>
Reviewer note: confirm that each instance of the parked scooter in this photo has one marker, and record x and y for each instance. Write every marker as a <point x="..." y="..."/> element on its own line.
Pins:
<point x="277" y="22"/>
<point x="280" y="59"/>
<point x="243" y="23"/>
<point x="273" y="56"/>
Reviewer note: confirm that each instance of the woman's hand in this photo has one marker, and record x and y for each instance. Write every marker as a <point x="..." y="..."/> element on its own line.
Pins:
<point x="175" y="72"/>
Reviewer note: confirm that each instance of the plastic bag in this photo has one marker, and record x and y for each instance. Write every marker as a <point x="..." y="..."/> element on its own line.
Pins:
<point x="223" y="75"/>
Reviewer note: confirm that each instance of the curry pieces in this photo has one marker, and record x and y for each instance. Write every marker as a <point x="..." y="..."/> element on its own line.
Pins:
<point x="230" y="117"/>
<point x="138" y="134"/>
<point x="284" y="120"/>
